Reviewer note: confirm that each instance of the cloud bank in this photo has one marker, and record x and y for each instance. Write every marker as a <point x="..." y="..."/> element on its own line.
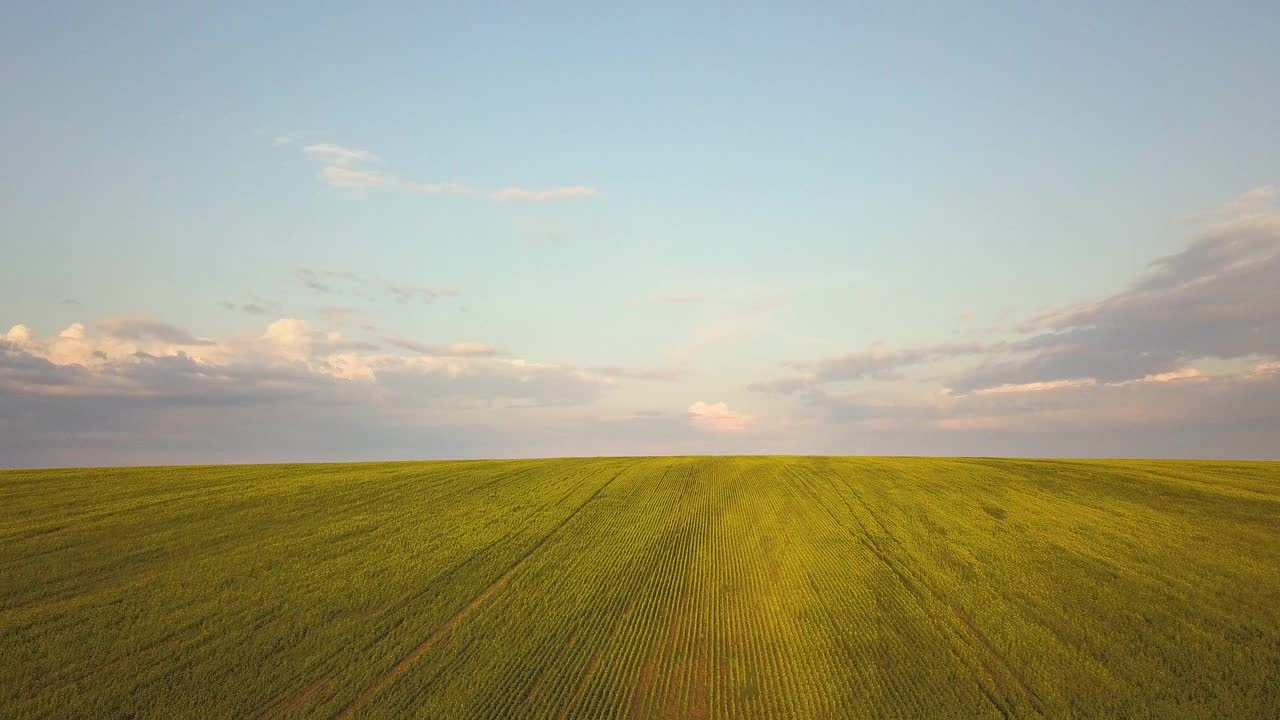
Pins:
<point x="1133" y="361"/>
<point x="1182" y="361"/>
<point x="126" y="383"/>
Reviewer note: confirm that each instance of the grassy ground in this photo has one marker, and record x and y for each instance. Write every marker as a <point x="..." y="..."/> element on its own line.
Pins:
<point x="643" y="588"/>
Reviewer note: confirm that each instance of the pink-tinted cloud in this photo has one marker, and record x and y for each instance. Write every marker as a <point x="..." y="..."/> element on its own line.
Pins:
<point x="1035" y="386"/>
<point x="470" y="349"/>
<point x="717" y="417"/>
<point x="124" y="357"/>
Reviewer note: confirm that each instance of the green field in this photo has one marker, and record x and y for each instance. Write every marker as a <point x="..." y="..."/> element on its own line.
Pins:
<point x="643" y="588"/>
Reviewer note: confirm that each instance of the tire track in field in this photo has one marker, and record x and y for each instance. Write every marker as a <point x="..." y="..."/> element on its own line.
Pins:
<point x="401" y="667"/>
<point x="982" y="641"/>
<point x="447" y="575"/>
<point x="913" y="588"/>
<point x="922" y="590"/>
<point x="289" y="703"/>
<point x="832" y="607"/>
<point x="265" y="712"/>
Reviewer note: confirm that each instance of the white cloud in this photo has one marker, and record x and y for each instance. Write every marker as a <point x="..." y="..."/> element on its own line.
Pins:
<point x="341" y="176"/>
<point x="346" y="168"/>
<point x="343" y="167"/>
<point x="717" y="417"/>
<point x="339" y="155"/>
<point x="559" y="193"/>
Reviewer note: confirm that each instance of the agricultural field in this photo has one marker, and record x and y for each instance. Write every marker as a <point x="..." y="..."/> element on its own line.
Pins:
<point x="727" y="587"/>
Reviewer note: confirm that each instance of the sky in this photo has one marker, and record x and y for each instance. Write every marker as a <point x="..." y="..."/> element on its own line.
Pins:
<point x="313" y="232"/>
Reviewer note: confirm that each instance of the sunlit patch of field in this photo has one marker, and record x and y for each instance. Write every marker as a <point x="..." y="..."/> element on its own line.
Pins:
<point x="643" y="588"/>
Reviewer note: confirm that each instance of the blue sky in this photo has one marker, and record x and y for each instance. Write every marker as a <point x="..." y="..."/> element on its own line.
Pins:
<point x="677" y="217"/>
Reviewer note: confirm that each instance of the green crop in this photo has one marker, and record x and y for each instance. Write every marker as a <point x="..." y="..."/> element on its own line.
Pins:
<point x="737" y="588"/>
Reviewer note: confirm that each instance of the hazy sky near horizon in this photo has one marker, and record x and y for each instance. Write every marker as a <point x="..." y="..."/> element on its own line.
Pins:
<point x="332" y="232"/>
